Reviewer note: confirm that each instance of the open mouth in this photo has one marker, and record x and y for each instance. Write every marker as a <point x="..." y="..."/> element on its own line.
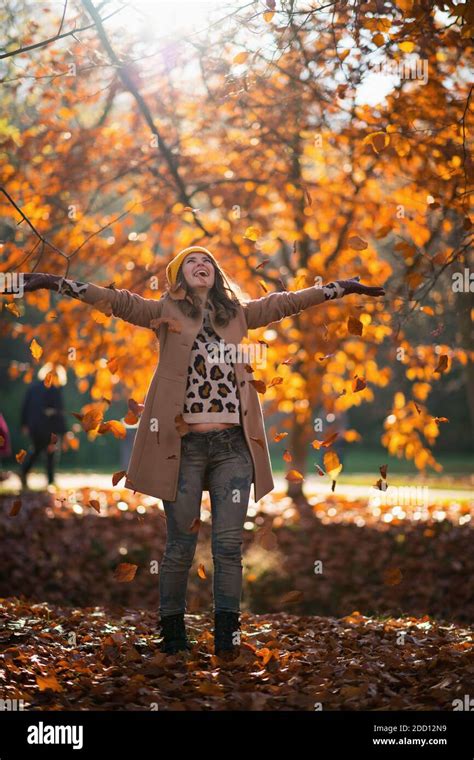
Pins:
<point x="200" y="273"/>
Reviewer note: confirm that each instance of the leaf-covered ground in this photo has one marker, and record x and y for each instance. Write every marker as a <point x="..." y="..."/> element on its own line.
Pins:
<point x="345" y="607"/>
<point x="94" y="658"/>
<point x="370" y="559"/>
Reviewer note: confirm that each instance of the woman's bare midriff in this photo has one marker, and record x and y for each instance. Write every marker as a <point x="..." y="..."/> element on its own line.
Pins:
<point x="204" y="427"/>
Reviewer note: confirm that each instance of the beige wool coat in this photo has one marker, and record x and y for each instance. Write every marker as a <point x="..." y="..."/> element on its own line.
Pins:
<point x="155" y="459"/>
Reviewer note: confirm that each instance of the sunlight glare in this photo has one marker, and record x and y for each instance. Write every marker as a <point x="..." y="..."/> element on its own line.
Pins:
<point x="152" y="19"/>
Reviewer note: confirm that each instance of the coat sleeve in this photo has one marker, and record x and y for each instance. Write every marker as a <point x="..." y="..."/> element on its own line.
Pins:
<point x="274" y="307"/>
<point x="124" y="304"/>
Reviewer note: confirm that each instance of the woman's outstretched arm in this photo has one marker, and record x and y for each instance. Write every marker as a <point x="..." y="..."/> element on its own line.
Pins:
<point x="122" y="303"/>
<point x="263" y="311"/>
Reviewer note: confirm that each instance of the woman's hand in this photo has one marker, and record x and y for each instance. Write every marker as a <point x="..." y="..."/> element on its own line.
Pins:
<point x="354" y="286"/>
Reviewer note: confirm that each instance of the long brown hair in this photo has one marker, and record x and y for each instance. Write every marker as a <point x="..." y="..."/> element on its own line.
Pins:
<point x="224" y="295"/>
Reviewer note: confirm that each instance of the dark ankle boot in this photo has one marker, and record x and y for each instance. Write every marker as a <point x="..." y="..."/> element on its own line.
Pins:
<point x="174" y="634"/>
<point x="226" y="634"/>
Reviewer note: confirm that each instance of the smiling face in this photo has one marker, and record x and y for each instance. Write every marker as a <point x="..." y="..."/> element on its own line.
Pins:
<point x="198" y="271"/>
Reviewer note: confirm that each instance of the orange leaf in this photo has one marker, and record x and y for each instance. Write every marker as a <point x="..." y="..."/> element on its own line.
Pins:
<point x="125" y="572"/>
<point x="35" y="349"/>
<point x="357" y="243"/>
<point x="117" y="477"/>
<point x="20" y="456"/>
<point x="354" y="326"/>
<point x="358" y="384"/>
<point x="259" y="385"/>
<point x="442" y="364"/>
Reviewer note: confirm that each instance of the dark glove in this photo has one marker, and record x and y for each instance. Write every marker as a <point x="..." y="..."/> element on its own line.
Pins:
<point x="354" y="286"/>
<point x="340" y="288"/>
<point x="34" y="281"/>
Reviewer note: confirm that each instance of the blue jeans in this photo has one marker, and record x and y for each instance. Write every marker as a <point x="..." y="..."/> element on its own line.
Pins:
<point x="223" y="456"/>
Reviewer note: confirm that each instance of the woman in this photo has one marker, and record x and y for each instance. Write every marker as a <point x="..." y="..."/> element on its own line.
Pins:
<point x="202" y="426"/>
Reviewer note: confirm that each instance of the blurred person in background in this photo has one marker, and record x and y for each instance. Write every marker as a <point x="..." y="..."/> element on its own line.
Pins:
<point x="5" y="446"/>
<point x="42" y="415"/>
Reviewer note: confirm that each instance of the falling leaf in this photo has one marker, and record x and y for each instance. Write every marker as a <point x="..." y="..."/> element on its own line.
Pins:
<point x="125" y="572"/>
<point x="287" y="456"/>
<point x="326" y="443"/>
<point x="135" y="408"/>
<point x="354" y="326"/>
<point x="293" y="476"/>
<point x="320" y="471"/>
<point x="94" y="504"/>
<point x="112" y="365"/>
<point x="36" y="350"/>
<point x="291" y="596"/>
<point x="117" y="477"/>
<point x="332" y="465"/>
<point x="279" y="436"/>
<point x="13" y="308"/>
<point x="442" y="364"/>
<point x="117" y="428"/>
<point x="358" y="384"/>
<point x="357" y="243"/>
<point x="252" y="233"/>
<point x="15" y="508"/>
<point x="441" y="419"/>
<point x="259" y="385"/>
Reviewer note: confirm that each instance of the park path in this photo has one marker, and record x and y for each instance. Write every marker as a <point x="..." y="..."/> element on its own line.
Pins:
<point x="409" y="493"/>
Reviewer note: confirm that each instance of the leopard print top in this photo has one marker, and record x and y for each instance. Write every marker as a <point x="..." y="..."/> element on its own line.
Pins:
<point x="211" y="391"/>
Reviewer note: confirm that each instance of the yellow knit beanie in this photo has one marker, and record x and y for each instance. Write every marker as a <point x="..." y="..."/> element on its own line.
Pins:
<point x="175" y="263"/>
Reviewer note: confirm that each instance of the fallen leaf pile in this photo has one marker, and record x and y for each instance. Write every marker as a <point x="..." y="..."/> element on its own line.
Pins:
<point x="350" y="608"/>
<point x="65" y="658"/>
